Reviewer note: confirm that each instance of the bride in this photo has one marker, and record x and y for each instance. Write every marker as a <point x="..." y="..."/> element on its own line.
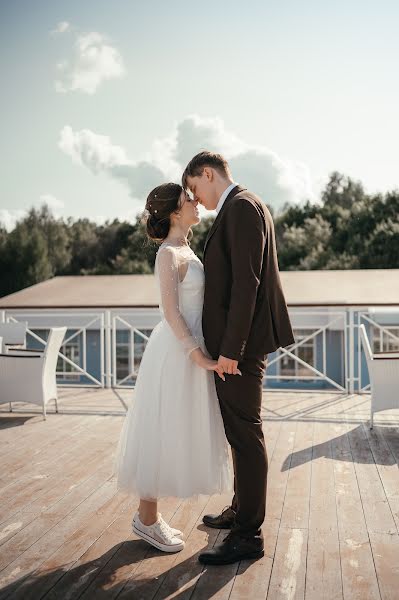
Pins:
<point x="173" y="441"/>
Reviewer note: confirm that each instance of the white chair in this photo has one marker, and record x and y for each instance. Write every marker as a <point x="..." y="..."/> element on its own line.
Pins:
<point x="13" y="334"/>
<point x="383" y="370"/>
<point x="30" y="375"/>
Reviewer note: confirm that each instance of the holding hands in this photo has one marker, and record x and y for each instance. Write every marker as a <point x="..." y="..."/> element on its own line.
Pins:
<point x="229" y="366"/>
<point x="221" y="366"/>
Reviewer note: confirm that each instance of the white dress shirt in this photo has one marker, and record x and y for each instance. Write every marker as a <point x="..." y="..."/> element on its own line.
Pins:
<point x="224" y="196"/>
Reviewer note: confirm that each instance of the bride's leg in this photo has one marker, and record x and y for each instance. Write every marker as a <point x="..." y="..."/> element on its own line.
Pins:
<point x="148" y="511"/>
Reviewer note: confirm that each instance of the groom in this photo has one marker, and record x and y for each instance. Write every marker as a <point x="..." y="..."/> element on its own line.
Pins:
<point x="244" y="318"/>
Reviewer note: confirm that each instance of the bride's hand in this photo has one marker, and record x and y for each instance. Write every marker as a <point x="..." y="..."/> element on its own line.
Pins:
<point x="206" y="363"/>
<point x="212" y="365"/>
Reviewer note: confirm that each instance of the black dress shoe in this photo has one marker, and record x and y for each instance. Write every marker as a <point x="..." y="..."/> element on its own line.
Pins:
<point x="225" y="520"/>
<point x="232" y="549"/>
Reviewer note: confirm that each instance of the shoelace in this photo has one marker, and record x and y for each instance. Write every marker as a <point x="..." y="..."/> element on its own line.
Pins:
<point x="165" y="524"/>
<point x="164" y="527"/>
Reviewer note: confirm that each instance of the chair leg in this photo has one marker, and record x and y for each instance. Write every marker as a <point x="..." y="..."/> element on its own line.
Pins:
<point x="10" y="407"/>
<point x="44" y="413"/>
<point x="56" y="405"/>
<point x="371" y="418"/>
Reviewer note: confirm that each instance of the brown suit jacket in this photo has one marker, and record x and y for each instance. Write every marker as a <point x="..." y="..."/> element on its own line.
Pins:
<point x="245" y="313"/>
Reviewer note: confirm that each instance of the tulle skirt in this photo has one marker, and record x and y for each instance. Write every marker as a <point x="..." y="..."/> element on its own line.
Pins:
<point x="172" y="441"/>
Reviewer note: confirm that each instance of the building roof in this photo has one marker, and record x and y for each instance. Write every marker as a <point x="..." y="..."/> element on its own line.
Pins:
<point x="367" y="287"/>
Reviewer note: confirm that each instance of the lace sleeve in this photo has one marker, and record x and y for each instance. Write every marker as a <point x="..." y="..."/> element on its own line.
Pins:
<point x="167" y="269"/>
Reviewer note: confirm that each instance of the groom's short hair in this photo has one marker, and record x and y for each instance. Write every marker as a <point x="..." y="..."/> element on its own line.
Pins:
<point x="204" y="159"/>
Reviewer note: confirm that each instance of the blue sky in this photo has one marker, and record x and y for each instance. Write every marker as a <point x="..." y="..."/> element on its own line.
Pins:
<point x="287" y="91"/>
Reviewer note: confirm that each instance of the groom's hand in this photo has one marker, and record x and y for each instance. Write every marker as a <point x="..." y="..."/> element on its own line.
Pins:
<point x="229" y="365"/>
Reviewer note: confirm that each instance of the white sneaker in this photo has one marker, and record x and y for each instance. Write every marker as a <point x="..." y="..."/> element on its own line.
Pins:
<point x="158" y="534"/>
<point x="174" y="532"/>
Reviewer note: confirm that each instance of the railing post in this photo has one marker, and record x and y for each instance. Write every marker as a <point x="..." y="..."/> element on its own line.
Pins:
<point x="108" y="354"/>
<point x="351" y="351"/>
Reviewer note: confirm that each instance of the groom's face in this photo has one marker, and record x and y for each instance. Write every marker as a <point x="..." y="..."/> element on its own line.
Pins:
<point x="203" y="189"/>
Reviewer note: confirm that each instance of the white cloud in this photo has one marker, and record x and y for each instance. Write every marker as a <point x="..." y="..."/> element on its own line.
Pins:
<point x="9" y="218"/>
<point x="93" y="150"/>
<point x="61" y="27"/>
<point x="51" y="201"/>
<point x="98" y="154"/>
<point x="258" y="168"/>
<point x="94" y="62"/>
<point x="274" y="179"/>
<point x="195" y="133"/>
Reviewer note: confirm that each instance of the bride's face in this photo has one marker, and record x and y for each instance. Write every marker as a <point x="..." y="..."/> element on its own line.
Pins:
<point x="188" y="212"/>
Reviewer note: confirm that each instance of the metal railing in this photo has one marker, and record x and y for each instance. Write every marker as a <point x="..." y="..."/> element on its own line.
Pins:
<point x="319" y="373"/>
<point x="78" y="323"/>
<point x="99" y="338"/>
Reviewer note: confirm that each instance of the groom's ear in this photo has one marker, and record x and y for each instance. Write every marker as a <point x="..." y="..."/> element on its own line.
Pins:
<point x="208" y="172"/>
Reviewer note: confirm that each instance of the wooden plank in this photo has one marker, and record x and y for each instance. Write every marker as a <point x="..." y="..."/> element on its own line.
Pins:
<point x="31" y="443"/>
<point x="348" y="513"/>
<point x="359" y="579"/>
<point x="391" y="437"/>
<point x="287" y="578"/>
<point x="32" y="481"/>
<point x="323" y="566"/>
<point x="180" y="578"/>
<point x="384" y="459"/>
<point x="322" y="509"/>
<point x="43" y="468"/>
<point x="215" y="582"/>
<point x="288" y="575"/>
<point x="349" y="508"/>
<point x="295" y="512"/>
<point x="358" y="573"/>
<point x="253" y="577"/>
<point x="61" y="491"/>
<point x="31" y="490"/>
<point x="119" y="572"/>
<point x="84" y="570"/>
<point x="375" y="505"/>
<point x="43" y="579"/>
<point x="45" y="521"/>
<point x="15" y="573"/>
<point x="278" y="471"/>
<point x="385" y="548"/>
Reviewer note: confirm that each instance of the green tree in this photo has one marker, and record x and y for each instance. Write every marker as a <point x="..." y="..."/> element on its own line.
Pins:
<point x="54" y="232"/>
<point x="26" y="259"/>
<point x="347" y="229"/>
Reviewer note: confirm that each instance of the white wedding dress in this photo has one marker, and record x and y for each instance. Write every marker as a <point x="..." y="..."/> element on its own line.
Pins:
<point x="173" y="441"/>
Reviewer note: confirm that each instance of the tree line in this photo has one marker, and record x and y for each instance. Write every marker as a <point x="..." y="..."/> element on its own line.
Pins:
<point x="346" y="229"/>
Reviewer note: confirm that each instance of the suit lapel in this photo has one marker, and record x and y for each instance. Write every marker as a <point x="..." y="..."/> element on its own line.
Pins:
<point x="216" y="222"/>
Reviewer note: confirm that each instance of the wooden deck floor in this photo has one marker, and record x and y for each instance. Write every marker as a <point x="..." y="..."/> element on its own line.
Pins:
<point x="331" y="529"/>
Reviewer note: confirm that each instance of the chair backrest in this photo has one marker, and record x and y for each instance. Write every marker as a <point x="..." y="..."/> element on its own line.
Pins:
<point x="54" y="342"/>
<point x="366" y="344"/>
<point x="13" y="333"/>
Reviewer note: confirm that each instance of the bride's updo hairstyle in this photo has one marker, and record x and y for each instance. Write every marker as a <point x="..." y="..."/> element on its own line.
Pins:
<point x="162" y="201"/>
